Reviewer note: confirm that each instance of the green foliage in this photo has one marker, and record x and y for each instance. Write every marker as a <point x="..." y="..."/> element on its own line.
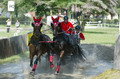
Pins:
<point x="42" y="10"/>
<point x="43" y="7"/>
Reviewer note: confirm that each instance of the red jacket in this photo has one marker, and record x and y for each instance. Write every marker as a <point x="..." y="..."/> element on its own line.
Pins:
<point x="66" y="26"/>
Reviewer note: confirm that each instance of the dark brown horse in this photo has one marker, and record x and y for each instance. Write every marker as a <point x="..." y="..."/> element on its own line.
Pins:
<point x="63" y="47"/>
<point x="39" y="45"/>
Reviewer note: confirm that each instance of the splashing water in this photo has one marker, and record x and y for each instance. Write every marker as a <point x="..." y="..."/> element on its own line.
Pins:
<point x="99" y="59"/>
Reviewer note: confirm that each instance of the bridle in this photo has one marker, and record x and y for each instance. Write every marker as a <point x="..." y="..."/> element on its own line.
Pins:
<point x="37" y="27"/>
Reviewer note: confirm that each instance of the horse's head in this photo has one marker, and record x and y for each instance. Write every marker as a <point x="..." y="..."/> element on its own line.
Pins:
<point x="37" y="26"/>
<point x="55" y="25"/>
<point x="55" y="21"/>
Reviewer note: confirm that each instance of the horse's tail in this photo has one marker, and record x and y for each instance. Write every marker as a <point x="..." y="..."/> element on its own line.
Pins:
<point x="80" y="53"/>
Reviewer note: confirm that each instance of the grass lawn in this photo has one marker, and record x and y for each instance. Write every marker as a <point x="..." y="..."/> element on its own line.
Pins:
<point x="14" y="58"/>
<point x="105" y="36"/>
<point x="13" y="26"/>
<point x="108" y="74"/>
<point x="4" y="34"/>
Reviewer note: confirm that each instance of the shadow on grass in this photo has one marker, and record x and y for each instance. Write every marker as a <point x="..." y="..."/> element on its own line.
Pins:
<point x="95" y="32"/>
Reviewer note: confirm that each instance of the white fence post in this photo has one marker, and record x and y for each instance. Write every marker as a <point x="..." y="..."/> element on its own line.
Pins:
<point x="119" y="23"/>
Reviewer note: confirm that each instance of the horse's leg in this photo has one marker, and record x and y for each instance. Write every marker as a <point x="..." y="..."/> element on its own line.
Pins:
<point x="51" y="60"/>
<point x="31" y="55"/>
<point x="59" y="62"/>
<point x="31" y="61"/>
<point x="35" y="64"/>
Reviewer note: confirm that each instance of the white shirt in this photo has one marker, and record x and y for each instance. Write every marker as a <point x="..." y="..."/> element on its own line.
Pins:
<point x="17" y="24"/>
<point x="8" y="23"/>
<point x="77" y="34"/>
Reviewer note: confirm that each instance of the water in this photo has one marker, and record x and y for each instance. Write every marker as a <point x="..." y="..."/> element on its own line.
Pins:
<point x="94" y="65"/>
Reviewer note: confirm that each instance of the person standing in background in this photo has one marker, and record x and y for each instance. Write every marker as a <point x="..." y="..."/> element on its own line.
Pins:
<point x="8" y="25"/>
<point x="17" y="24"/>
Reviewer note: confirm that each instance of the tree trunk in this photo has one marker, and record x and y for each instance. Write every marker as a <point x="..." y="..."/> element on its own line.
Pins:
<point x="51" y="12"/>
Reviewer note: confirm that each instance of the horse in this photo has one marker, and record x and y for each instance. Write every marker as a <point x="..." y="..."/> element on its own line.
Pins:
<point x="62" y="47"/>
<point x="39" y="44"/>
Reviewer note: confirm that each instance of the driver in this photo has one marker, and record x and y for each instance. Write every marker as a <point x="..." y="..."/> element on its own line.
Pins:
<point x="66" y="25"/>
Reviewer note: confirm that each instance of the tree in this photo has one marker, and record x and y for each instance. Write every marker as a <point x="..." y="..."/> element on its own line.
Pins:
<point x="84" y="7"/>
